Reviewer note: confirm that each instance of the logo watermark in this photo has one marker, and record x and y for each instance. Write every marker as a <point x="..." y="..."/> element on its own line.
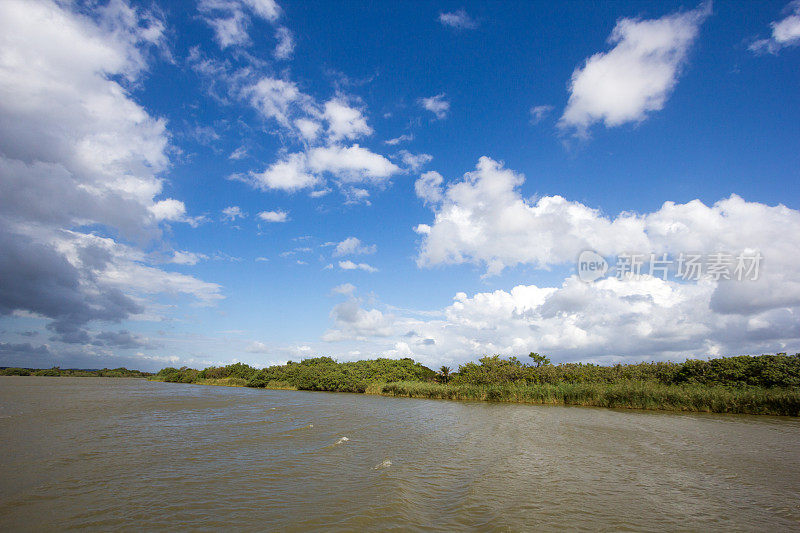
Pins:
<point x="685" y="266"/>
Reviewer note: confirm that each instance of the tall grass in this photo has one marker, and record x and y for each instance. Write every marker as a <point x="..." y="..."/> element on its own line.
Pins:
<point x="625" y="395"/>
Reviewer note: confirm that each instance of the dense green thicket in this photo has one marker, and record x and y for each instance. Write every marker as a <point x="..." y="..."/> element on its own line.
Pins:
<point x="73" y="372"/>
<point x="320" y="374"/>
<point x="323" y="373"/>
<point x="742" y="371"/>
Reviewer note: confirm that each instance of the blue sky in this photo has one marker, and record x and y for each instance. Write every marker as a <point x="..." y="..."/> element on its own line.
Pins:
<point x="242" y="180"/>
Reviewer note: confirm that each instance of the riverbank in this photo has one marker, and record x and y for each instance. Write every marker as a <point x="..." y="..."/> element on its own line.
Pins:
<point x="764" y="384"/>
<point x="626" y="395"/>
<point x="227" y="382"/>
<point x="75" y="372"/>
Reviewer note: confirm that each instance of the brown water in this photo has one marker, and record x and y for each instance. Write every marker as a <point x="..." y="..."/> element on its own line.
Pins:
<point x="135" y="455"/>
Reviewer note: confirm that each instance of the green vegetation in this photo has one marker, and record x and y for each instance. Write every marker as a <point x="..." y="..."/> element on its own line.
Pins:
<point x="318" y="374"/>
<point x="621" y="395"/>
<point x="75" y="373"/>
<point x="766" y="384"/>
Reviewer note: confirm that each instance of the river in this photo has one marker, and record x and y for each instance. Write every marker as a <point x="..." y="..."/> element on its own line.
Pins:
<point x="128" y="454"/>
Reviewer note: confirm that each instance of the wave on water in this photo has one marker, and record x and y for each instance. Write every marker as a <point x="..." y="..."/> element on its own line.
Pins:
<point x="386" y="463"/>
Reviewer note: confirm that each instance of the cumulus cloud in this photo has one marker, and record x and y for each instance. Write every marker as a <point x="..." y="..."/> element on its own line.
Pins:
<point x="276" y="98"/>
<point x="288" y="174"/>
<point x="80" y="153"/>
<point x="353" y="246"/>
<point x="608" y="321"/>
<point x="349" y="265"/>
<point x="636" y="76"/>
<point x="325" y="131"/>
<point x="436" y="105"/>
<point x="344" y="121"/>
<point x="458" y="19"/>
<point x="785" y="32"/>
<point x="429" y="187"/>
<point x="274" y="216"/>
<point x="484" y="219"/>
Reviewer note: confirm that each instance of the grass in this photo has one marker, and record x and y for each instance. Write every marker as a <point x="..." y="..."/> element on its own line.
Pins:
<point x="620" y="395"/>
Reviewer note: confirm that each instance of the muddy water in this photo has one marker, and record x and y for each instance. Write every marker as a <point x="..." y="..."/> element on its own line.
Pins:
<point x="125" y="454"/>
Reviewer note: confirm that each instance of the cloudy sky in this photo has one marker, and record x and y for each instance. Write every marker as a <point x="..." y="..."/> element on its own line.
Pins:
<point x="196" y="183"/>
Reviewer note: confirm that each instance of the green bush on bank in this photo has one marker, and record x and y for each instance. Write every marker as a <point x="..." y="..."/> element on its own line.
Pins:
<point x="742" y="371"/>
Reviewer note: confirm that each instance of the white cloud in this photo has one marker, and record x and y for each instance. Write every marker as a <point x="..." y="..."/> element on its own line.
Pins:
<point x="358" y="323"/>
<point x="288" y="174"/>
<point x="257" y="347"/>
<point x="302" y="170"/>
<point x="353" y="246"/>
<point x="274" y="216"/>
<point x="233" y="212"/>
<point x="345" y="288"/>
<point x="351" y="164"/>
<point x="239" y="153"/>
<point x="436" y="105"/>
<point x="539" y="112"/>
<point x="458" y="19"/>
<point x="79" y="152"/>
<point x="172" y="210"/>
<point x="484" y="219"/>
<point x="429" y="187"/>
<point x="231" y="29"/>
<point x="414" y="162"/>
<point x="397" y="140"/>
<point x="285" y="46"/>
<point x="608" y="321"/>
<point x="266" y="9"/>
<point x="187" y="258"/>
<point x="349" y="265"/>
<point x="169" y="209"/>
<point x="785" y="32"/>
<point x="230" y="18"/>
<point x="344" y="122"/>
<point x="275" y="98"/>
<point x="300" y="116"/>
<point x="636" y="76"/>
<point x="309" y="129"/>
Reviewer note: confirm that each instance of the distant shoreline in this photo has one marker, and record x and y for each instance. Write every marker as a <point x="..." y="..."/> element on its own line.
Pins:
<point x="631" y="395"/>
<point x="757" y="385"/>
<point x="75" y="372"/>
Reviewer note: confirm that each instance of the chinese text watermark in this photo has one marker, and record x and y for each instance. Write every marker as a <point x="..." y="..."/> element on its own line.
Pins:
<point x="715" y="266"/>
